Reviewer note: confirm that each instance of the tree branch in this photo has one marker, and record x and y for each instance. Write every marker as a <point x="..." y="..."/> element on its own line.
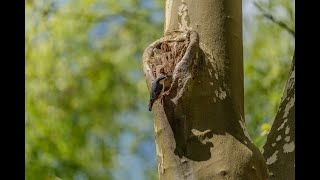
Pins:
<point x="279" y="150"/>
<point x="274" y="20"/>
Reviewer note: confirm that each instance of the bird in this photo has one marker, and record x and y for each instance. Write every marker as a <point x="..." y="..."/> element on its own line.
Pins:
<point x="156" y="88"/>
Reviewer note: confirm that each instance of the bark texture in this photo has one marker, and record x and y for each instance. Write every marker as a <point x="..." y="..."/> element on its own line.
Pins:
<point x="199" y="123"/>
<point x="279" y="150"/>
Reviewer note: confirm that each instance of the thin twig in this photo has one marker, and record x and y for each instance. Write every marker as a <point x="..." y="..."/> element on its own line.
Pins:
<point x="271" y="18"/>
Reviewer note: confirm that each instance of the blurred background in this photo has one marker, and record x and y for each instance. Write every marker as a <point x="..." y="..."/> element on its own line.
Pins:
<point x="86" y="98"/>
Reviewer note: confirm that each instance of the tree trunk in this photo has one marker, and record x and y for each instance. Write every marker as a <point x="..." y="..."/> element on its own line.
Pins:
<point x="279" y="149"/>
<point x="199" y="122"/>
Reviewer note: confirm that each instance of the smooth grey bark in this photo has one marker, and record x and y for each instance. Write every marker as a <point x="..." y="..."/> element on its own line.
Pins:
<point x="279" y="150"/>
<point x="199" y="124"/>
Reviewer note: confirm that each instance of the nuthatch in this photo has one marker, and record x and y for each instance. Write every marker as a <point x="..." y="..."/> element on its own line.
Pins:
<point x="156" y="88"/>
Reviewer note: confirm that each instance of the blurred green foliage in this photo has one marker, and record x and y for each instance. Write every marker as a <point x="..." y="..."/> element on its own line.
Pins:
<point x="86" y="99"/>
<point x="83" y="75"/>
<point x="268" y="54"/>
